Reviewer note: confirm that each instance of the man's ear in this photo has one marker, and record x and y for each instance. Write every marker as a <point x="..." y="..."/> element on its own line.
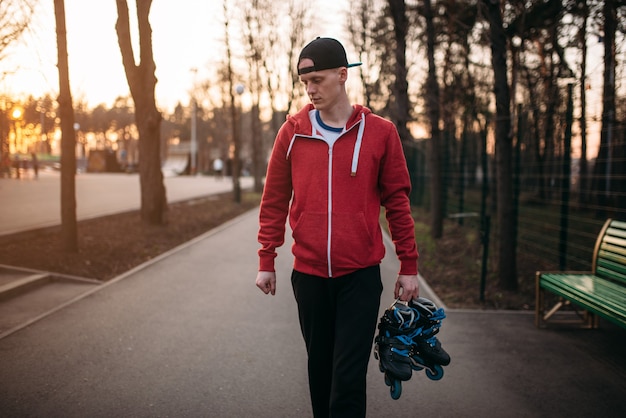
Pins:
<point x="343" y="74"/>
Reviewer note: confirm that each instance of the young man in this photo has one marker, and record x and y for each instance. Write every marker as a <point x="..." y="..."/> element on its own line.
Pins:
<point x="332" y="166"/>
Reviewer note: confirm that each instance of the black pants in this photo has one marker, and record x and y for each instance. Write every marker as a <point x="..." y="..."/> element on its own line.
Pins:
<point x="338" y="318"/>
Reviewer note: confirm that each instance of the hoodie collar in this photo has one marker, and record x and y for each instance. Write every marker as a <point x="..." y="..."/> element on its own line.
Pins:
<point x="304" y="129"/>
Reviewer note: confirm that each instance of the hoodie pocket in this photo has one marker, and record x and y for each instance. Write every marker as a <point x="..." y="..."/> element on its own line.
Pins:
<point x="310" y="238"/>
<point x="351" y="243"/>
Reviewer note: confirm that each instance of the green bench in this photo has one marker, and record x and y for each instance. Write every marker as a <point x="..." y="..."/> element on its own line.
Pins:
<point x="600" y="292"/>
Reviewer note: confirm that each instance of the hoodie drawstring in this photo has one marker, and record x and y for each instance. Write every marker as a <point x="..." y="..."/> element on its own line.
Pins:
<point x="357" y="146"/>
<point x="293" y="139"/>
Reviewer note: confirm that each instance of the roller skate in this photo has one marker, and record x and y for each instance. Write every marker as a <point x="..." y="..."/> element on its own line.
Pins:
<point x="407" y="342"/>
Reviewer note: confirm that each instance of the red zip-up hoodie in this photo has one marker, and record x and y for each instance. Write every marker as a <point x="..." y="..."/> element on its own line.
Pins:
<point x="336" y="193"/>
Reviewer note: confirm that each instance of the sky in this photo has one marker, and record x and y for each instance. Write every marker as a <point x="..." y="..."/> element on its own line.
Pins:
<point x="186" y="34"/>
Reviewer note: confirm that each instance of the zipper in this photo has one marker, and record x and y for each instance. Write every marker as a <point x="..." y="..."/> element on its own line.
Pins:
<point x="330" y="207"/>
<point x="330" y="180"/>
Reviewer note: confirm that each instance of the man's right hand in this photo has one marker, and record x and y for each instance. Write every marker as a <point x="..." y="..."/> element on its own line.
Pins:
<point x="266" y="281"/>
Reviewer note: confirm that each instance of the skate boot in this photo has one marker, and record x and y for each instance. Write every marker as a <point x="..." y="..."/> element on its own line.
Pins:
<point x="394" y="346"/>
<point x="427" y="352"/>
<point x="406" y="341"/>
<point x="430" y="320"/>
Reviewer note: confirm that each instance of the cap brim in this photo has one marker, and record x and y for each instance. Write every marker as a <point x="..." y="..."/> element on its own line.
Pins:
<point x="307" y="70"/>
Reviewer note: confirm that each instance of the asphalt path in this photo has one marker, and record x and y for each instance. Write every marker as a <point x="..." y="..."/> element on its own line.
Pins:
<point x="30" y="203"/>
<point x="189" y="335"/>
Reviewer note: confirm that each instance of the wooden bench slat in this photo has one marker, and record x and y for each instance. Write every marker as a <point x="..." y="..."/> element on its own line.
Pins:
<point x="618" y="224"/>
<point x="614" y="230"/>
<point x="598" y="293"/>
<point x="601" y="304"/>
<point x="586" y="281"/>
<point x="620" y="242"/>
<point x="612" y="252"/>
<point x="607" y="270"/>
<point x="589" y="283"/>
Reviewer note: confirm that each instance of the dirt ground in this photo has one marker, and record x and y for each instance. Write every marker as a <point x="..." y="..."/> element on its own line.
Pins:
<point x="452" y="266"/>
<point x="111" y="245"/>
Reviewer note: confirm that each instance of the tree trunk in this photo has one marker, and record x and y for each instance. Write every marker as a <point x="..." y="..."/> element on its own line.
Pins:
<point x="257" y="57"/>
<point x="552" y="99"/>
<point x="142" y="81"/>
<point x="504" y="144"/>
<point x="603" y="168"/>
<point x="400" y="112"/>
<point x="69" y="228"/>
<point x="258" y="168"/>
<point x="584" y="170"/>
<point x="236" y="169"/>
<point x="432" y="104"/>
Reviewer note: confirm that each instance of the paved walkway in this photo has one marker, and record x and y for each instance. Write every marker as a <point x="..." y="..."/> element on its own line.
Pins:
<point x="35" y="203"/>
<point x="189" y="335"/>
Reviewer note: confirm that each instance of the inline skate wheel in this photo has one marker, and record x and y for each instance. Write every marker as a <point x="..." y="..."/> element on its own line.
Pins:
<point x="436" y="373"/>
<point x="395" y="389"/>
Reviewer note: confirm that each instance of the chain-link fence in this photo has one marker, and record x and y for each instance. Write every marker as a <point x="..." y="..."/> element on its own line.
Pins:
<point x="560" y="202"/>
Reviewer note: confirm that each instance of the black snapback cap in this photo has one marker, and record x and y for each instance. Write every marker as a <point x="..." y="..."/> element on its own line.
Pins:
<point x="326" y="53"/>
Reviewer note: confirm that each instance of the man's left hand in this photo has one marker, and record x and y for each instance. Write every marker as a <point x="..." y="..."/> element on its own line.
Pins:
<point x="407" y="287"/>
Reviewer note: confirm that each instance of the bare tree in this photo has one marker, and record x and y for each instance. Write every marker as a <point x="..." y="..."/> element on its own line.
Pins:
<point x="507" y="269"/>
<point x="364" y="27"/>
<point x="230" y="74"/>
<point x="259" y="36"/>
<point x="432" y="104"/>
<point x="15" y="16"/>
<point x="583" y="10"/>
<point x="401" y="107"/>
<point x="604" y="167"/>
<point x="299" y="19"/>
<point x="142" y="81"/>
<point x="69" y="229"/>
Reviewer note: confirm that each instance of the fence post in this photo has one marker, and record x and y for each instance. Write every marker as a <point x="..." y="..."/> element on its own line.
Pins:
<point x="517" y="173"/>
<point x="461" y="184"/>
<point x="415" y="166"/>
<point x="486" y="226"/>
<point x="485" y="220"/>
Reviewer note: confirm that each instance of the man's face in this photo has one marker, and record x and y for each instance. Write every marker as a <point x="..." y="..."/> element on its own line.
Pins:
<point x="323" y="87"/>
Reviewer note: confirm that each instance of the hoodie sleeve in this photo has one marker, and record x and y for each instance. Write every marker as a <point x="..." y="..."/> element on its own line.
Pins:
<point x="395" y="185"/>
<point x="275" y="201"/>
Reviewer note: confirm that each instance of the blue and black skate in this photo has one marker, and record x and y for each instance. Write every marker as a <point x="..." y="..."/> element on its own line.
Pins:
<point x="407" y="341"/>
